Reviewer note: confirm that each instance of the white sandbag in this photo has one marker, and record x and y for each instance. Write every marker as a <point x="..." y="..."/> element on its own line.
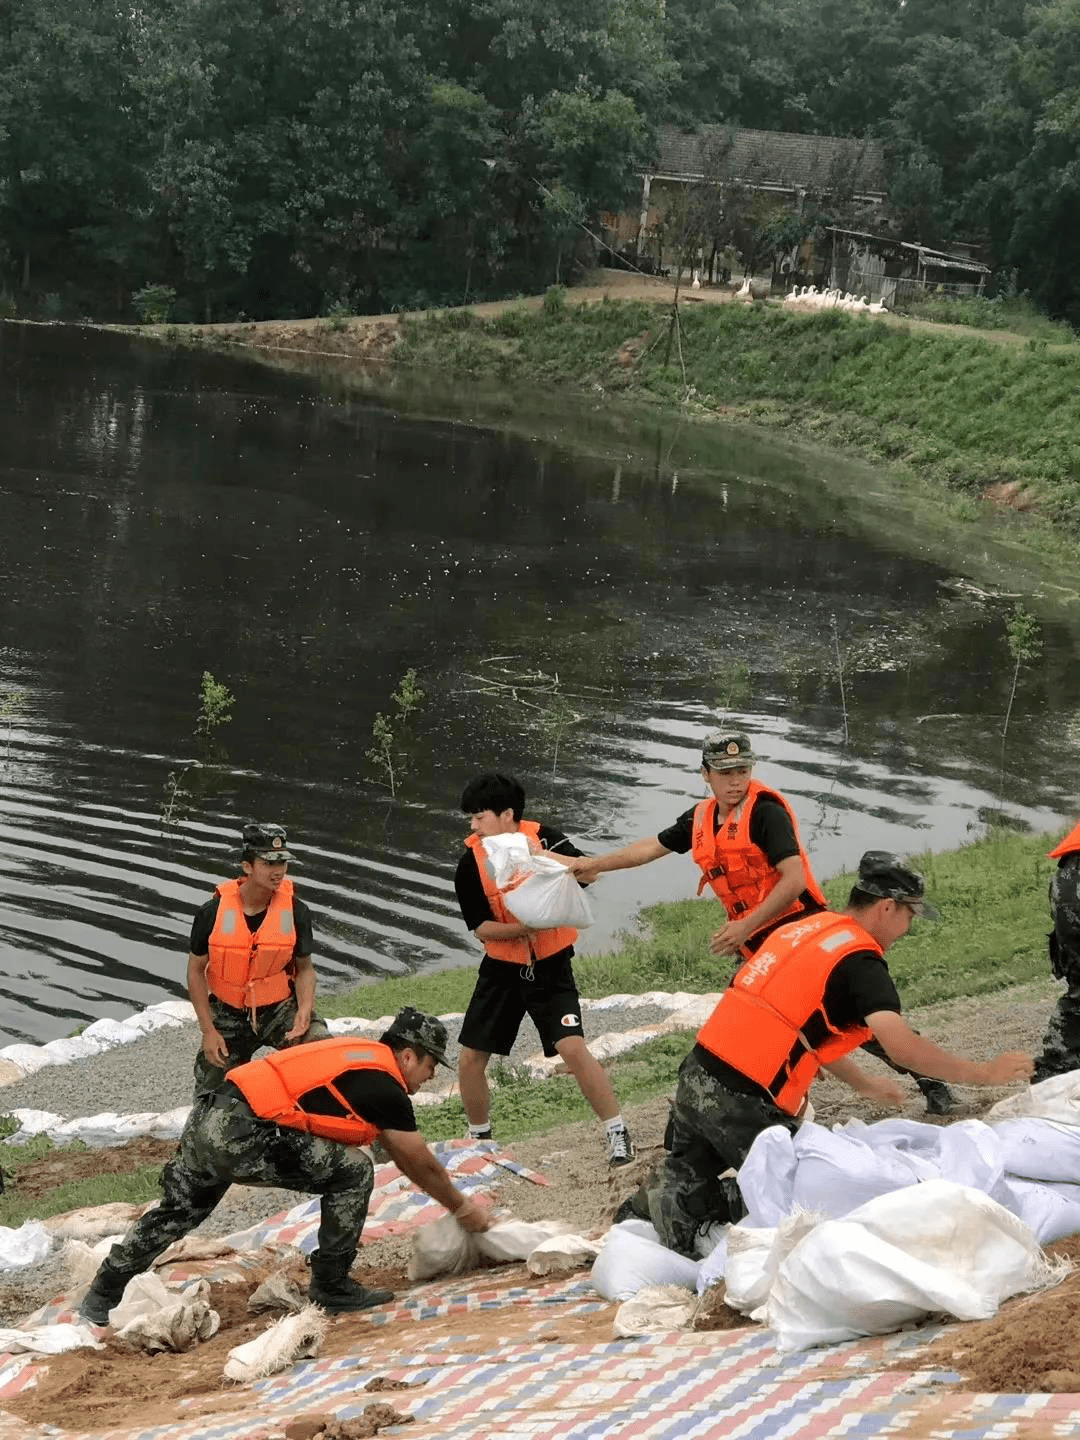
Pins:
<point x="714" y="1263"/>
<point x="442" y="1248"/>
<point x="834" y="1174"/>
<point x="153" y="1317"/>
<point x="1057" y="1098"/>
<point x="561" y="1255"/>
<point x="79" y="1263"/>
<point x="28" y="1245"/>
<point x="629" y="1261"/>
<point x="935" y="1248"/>
<point x="28" y="1058"/>
<point x="48" y="1340"/>
<point x="537" y="890"/>
<point x="655" y="1308"/>
<point x="1049" y="1213"/>
<point x="277" y="1292"/>
<point x="1038" y="1149"/>
<point x="767" y="1178"/>
<point x="516" y="1239"/>
<point x="755" y="1255"/>
<point x="292" y="1338"/>
<point x="94" y="1221"/>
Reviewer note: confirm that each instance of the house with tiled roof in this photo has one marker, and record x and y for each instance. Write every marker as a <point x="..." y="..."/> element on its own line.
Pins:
<point x="846" y="177"/>
<point x="786" y="166"/>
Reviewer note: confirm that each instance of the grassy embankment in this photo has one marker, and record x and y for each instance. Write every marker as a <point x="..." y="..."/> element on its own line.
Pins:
<point x="954" y="408"/>
<point x="992" y="935"/>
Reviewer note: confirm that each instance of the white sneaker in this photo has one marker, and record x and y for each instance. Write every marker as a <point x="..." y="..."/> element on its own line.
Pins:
<point x="620" y="1147"/>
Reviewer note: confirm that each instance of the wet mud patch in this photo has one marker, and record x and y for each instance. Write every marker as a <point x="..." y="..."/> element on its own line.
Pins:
<point x="63" y="1166"/>
<point x="1031" y="1346"/>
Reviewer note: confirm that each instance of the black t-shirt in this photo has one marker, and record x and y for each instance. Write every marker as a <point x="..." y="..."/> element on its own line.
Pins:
<point x="203" y="924"/>
<point x="470" y="888"/>
<point x="859" y="986"/>
<point x="771" y="831"/>
<point x="374" y="1095"/>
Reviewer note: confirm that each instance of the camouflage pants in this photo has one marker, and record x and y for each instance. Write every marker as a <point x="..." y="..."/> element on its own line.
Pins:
<point x="272" y="1024"/>
<point x="712" y="1130"/>
<point x="1061" y="1043"/>
<point x="223" y="1143"/>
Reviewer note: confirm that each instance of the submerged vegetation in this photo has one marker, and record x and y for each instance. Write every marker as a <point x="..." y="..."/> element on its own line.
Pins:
<point x="961" y="410"/>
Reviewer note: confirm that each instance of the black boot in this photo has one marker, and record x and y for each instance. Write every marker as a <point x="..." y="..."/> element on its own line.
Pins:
<point x="106" y="1290"/>
<point x="332" y="1289"/>
<point x="939" y="1098"/>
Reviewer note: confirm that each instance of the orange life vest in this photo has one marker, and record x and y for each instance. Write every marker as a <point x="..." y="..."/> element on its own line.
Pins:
<point x="275" y="1085"/>
<point x="1068" y="846"/>
<point x="739" y="871"/>
<point x="771" y="1024"/>
<point x="520" y="951"/>
<point x="244" y="969"/>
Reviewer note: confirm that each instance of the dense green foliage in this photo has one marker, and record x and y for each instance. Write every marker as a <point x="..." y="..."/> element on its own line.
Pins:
<point x="283" y="157"/>
<point x="958" y="408"/>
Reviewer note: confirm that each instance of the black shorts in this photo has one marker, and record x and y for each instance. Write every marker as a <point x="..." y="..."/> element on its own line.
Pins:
<point x="503" y="997"/>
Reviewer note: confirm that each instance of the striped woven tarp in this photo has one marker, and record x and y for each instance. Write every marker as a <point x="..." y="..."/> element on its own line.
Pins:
<point x="527" y="1385"/>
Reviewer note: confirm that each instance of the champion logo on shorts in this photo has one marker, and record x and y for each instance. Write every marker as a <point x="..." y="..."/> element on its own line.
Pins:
<point x="568" y="1022"/>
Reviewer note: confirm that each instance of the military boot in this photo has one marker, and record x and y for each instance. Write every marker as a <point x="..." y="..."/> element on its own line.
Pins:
<point x="106" y="1290"/>
<point x="939" y="1098"/>
<point x="332" y="1288"/>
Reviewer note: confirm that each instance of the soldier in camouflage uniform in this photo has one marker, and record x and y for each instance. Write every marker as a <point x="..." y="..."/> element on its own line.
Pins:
<point x="824" y="975"/>
<point x="1061" y="1044"/>
<point x="224" y="1143"/>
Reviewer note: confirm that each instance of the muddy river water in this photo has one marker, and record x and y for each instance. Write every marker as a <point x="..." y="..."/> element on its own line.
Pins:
<point x="580" y="591"/>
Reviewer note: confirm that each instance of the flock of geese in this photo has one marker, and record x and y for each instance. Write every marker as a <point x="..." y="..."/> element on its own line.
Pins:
<point x="809" y="297"/>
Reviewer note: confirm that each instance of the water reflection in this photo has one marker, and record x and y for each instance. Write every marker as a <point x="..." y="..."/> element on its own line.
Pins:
<point x="168" y="514"/>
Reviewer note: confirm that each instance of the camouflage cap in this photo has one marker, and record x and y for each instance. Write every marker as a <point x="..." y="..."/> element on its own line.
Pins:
<point x="427" y="1032"/>
<point x="720" y="751"/>
<point x="269" y="842"/>
<point x="884" y="874"/>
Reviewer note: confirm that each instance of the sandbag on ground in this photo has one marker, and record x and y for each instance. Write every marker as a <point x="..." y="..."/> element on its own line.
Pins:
<point x="936" y="1248"/>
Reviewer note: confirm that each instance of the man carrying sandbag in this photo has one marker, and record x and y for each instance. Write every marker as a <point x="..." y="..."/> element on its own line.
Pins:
<point x="524" y="971"/>
<point x="293" y="1120"/>
<point x="815" y="991"/>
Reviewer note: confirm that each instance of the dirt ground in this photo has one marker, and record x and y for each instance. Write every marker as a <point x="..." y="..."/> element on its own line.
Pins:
<point x="1032" y="1344"/>
<point x="373" y="337"/>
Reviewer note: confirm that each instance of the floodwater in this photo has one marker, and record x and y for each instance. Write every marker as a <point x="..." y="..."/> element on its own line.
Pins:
<point x="576" y="588"/>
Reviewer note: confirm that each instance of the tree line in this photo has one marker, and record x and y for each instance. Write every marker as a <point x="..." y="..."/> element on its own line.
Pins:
<point x="283" y="157"/>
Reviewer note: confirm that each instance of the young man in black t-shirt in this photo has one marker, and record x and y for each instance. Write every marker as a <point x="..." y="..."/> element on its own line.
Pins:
<point x="523" y="972"/>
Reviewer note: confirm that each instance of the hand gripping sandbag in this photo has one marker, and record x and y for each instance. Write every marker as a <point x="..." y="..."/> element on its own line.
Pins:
<point x="537" y="890"/>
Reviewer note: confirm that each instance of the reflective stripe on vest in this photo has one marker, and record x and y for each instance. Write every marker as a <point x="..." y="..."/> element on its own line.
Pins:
<point x="275" y="1085"/>
<point x="247" y="970"/>
<point x="739" y="872"/>
<point x="771" y="1025"/>
<point x="520" y="951"/>
<point x="1068" y="846"/>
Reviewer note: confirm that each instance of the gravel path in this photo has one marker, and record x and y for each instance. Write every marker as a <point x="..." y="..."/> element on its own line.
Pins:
<point x="154" y="1073"/>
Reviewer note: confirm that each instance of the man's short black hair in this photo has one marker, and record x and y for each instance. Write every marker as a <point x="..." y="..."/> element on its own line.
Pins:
<point x="494" y="792"/>
<point x="861" y="899"/>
